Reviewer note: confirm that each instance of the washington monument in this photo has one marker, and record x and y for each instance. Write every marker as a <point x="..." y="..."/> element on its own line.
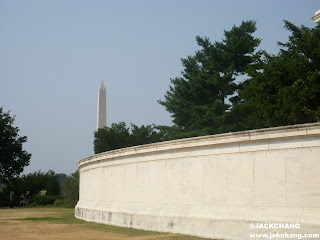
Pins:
<point x="102" y="107"/>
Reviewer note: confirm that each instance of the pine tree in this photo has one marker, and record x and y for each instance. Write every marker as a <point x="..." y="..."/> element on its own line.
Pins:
<point x="201" y="99"/>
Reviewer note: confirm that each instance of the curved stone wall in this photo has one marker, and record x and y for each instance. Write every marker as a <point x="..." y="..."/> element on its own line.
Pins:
<point x="211" y="186"/>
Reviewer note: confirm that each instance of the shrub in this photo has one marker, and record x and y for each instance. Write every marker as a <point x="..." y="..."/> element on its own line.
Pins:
<point x="71" y="187"/>
<point x="64" y="203"/>
<point x="44" y="200"/>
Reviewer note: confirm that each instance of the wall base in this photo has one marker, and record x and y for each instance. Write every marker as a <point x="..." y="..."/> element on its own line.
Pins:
<point x="234" y="229"/>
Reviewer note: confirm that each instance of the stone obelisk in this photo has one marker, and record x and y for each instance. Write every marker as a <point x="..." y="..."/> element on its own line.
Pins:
<point x="102" y="107"/>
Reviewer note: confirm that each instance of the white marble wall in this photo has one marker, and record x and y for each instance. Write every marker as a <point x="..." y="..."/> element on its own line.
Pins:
<point x="212" y="186"/>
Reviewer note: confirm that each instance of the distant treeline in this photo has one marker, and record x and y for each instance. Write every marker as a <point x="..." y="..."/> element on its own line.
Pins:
<point x="62" y="190"/>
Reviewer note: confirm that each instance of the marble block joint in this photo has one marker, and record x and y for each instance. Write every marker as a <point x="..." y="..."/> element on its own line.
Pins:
<point x="212" y="186"/>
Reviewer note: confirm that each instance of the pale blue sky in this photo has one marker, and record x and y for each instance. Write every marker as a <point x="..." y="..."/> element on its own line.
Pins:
<point x="54" y="54"/>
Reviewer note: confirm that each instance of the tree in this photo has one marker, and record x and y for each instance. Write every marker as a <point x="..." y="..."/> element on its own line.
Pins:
<point x="200" y="100"/>
<point x="110" y="138"/>
<point x="71" y="187"/>
<point x="145" y="134"/>
<point x="284" y="89"/>
<point x="120" y="136"/>
<point x="13" y="158"/>
<point x="35" y="182"/>
<point x="61" y="177"/>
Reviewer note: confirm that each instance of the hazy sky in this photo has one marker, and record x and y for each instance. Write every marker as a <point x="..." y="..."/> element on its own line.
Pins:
<point x="54" y="54"/>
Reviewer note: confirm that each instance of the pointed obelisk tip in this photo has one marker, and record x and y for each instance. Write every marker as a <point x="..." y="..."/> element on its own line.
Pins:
<point x="102" y="107"/>
<point x="102" y="87"/>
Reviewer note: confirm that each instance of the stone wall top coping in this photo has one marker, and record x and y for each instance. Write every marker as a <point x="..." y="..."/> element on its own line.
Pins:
<point x="265" y="134"/>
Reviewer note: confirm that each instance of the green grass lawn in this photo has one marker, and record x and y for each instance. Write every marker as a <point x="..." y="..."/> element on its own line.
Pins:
<point x="65" y="216"/>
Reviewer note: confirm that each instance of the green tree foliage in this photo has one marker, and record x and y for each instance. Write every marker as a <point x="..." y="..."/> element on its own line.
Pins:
<point x="201" y="100"/>
<point x="120" y="136"/>
<point x="114" y="137"/>
<point x="35" y="182"/>
<point x="71" y="187"/>
<point x="13" y="158"/>
<point x="145" y="134"/>
<point x="284" y="89"/>
<point x="61" y="177"/>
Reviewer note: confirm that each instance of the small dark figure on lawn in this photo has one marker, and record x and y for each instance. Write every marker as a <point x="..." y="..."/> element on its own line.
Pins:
<point x="11" y="199"/>
<point x="22" y="199"/>
<point x="27" y="198"/>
